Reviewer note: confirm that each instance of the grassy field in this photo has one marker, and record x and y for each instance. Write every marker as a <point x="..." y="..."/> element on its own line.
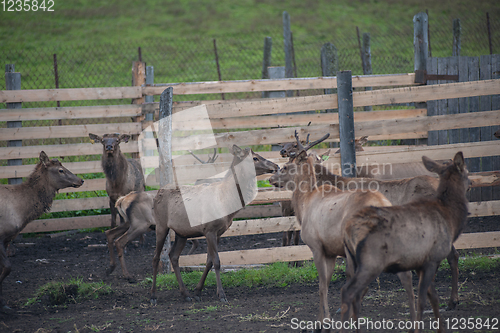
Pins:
<point x="92" y="21"/>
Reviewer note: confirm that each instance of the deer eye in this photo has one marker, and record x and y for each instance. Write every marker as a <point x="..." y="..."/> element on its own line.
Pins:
<point x="61" y="171"/>
<point x="255" y="159"/>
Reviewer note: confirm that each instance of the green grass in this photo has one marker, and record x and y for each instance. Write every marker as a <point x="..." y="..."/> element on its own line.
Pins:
<point x="274" y="275"/>
<point x="476" y="262"/>
<point x="74" y="290"/>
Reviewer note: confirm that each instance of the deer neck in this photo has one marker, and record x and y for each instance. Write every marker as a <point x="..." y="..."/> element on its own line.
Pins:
<point x="455" y="202"/>
<point x="246" y="183"/>
<point x="305" y="185"/>
<point x="37" y="191"/>
<point x="324" y="176"/>
<point x="115" y="167"/>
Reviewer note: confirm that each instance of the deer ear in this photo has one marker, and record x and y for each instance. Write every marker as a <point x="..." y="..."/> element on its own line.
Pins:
<point x="44" y="159"/>
<point x="431" y="165"/>
<point x="124" y="138"/>
<point x="459" y="161"/>
<point x="94" y="138"/>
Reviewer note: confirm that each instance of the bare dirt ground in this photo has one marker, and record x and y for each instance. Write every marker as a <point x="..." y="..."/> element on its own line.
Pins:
<point x="261" y="309"/>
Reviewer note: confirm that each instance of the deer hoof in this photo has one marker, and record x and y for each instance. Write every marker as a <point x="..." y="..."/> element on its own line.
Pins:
<point x="110" y="270"/>
<point x="224" y="300"/>
<point x="451" y="305"/>
<point x="131" y="280"/>
<point x="153" y="301"/>
<point x="197" y="298"/>
<point x="188" y="299"/>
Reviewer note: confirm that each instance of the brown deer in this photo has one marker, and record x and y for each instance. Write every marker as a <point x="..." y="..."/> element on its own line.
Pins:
<point x="497" y="134"/>
<point x="205" y="210"/>
<point x="136" y="209"/>
<point x="416" y="236"/>
<point x="122" y="175"/>
<point x="398" y="192"/>
<point x="290" y="149"/>
<point x="25" y="202"/>
<point x="321" y="210"/>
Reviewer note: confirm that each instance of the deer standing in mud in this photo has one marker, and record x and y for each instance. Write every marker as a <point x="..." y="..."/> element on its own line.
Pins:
<point x="122" y="175"/>
<point x="205" y="210"/>
<point x="398" y="192"/>
<point x="321" y="210"/>
<point x="25" y="202"/>
<point x="416" y="236"/>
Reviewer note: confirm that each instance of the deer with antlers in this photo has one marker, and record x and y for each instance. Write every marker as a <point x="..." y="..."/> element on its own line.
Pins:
<point x="321" y="210"/>
<point x="205" y="210"/>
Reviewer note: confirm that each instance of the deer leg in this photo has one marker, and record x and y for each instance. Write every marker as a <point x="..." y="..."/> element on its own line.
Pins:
<point x="325" y="267"/>
<point x="175" y="253"/>
<point x="453" y="261"/>
<point x="426" y="275"/>
<point x="352" y="291"/>
<point x="113" y="211"/>
<point x="213" y="256"/>
<point x="406" y="281"/>
<point x="5" y="268"/>
<point x="111" y="235"/>
<point x="194" y="247"/>
<point x="434" y="300"/>
<point x="161" y="235"/>
<point x="121" y="242"/>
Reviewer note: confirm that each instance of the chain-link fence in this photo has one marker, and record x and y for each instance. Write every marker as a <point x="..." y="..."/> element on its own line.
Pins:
<point x="240" y="57"/>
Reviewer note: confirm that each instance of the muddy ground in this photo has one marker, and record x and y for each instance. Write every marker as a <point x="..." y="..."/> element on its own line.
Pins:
<point x="261" y="309"/>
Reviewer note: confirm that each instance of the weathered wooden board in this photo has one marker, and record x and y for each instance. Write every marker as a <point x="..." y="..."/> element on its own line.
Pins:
<point x="302" y="252"/>
<point x="67" y="131"/>
<point x="216" y="87"/>
<point x="72" y="112"/>
<point x="73" y="94"/>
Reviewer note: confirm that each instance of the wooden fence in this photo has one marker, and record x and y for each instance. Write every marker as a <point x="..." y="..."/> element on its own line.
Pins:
<point x="260" y="118"/>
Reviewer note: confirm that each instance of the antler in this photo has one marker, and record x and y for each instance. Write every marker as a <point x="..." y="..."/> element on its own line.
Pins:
<point x="312" y="144"/>
<point x="210" y="159"/>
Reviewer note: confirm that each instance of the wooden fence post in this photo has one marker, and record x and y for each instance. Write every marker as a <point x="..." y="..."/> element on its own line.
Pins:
<point x="346" y="124"/>
<point x="367" y="61"/>
<point x="287" y="38"/>
<point x="266" y="62"/>
<point x="421" y="52"/>
<point x="165" y="153"/>
<point x="457" y="30"/>
<point x="13" y="82"/>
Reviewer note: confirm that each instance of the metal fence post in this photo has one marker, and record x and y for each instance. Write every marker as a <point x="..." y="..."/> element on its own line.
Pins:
<point x="165" y="152"/>
<point x="13" y="82"/>
<point x="346" y="124"/>
<point x="329" y="64"/>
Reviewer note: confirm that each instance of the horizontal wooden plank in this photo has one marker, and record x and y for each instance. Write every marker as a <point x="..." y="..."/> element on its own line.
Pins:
<point x="364" y="98"/>
<point x="484" y="208"/>
<point x="379" y="128"/>
<point x="68" y="223"/>
<point x="303" y="252"/>
<point x="75" y="167"/>
<point x="215" y="87"/>
<point x="77" y="149"/>
<point x="433" y="123"/>
<point x="415" y="153"/>
<point x="478" y="240"/>
<point x="71" y="112"/>
<point x="73" y="94"/>
<point x="267" y="121"/>
<point x="67" y="131"/>
<point x="80" y="204"/>
<point x="426" y="93"/>
<point x="97" y="184"/>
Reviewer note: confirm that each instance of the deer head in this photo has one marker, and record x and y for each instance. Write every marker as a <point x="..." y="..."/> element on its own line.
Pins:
<point x="110" y="142"/>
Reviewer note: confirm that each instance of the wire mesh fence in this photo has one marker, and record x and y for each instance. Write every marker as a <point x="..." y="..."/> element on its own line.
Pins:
<point x="240" y="56"/>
